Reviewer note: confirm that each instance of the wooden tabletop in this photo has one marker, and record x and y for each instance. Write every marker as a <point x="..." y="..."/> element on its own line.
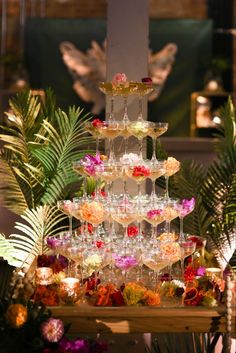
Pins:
<point x="91" y="319"/>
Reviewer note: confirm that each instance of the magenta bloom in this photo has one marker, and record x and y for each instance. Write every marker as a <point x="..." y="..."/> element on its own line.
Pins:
<point x="52" y="330"/>
<point x="125" y="262"/>
<point x="74" y="346"/>
<point x="187" y="206"/>
<point x="53" y="242"/>
<point x="153" y="213"/>
<point x="89" y="162"/>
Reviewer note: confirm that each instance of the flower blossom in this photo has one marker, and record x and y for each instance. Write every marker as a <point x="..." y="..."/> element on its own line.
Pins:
<point x="52" y="330"/>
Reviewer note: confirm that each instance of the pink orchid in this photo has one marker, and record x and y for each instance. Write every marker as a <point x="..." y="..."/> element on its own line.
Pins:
<point x="89" y="162"/>
<point x="187" y="206"/>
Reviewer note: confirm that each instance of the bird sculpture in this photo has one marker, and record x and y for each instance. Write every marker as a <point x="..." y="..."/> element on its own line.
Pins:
<point x="89" y="68"/>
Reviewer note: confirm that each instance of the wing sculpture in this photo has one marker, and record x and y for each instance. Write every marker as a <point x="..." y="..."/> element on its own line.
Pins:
<point x="89" y="68"/>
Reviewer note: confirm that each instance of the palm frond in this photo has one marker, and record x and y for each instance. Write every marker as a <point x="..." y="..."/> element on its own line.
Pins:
<point x="63" y="145"/>
<point x="7" y="251"/>
<point x="30" y="242"/>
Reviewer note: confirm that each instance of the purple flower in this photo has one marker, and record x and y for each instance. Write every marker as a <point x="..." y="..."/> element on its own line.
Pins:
<point x="89" y="162"/>
<point x="153" y="213"/>
<point x="187" y="206"/>
<point x="201" y="271"/>
<point x="52" y="330"/>
<point x="74" y="346"/>
<point x="53" y="242"/>
<point x="125" y="262"/>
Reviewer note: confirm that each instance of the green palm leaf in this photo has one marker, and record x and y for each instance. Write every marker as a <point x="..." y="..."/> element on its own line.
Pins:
<point x="30" y="242"/>
<point x="7" y="251"/>
<point x="65" y="142"/>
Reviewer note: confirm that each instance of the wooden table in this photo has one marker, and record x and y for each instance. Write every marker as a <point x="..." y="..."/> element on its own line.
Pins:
<point x="89" y="319"/>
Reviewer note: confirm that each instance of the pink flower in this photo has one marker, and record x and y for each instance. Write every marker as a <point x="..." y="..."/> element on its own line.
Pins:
<point x="187" y="206"/>
<point x="52" y="330"/>
<point x="119" y="78"/>
<point x="90" y="161"/>
<point x="153" y="213"/>
<point x="132" y="231"/>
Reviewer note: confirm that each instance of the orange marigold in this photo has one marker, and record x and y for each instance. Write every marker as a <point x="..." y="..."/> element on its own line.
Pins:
<point x="16" y="315"/>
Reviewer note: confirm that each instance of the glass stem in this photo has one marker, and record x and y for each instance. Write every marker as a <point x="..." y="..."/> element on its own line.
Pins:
<point x="70" y="224"/>
<point x="139" y="231"/>
<point x="141" y="148"/>
<point x="140" y="108"/>
<point x="167" y="187"/>
<point x="125" y="118"/>
<point x="111" y="157"/>
<point x="153" y="149"/>
<point x="85" y="187"/>
<point x="126" y="144"/>
<point x="181" y="228"/>
<point x="112" y="108"/>
<point x="168" y="227"/>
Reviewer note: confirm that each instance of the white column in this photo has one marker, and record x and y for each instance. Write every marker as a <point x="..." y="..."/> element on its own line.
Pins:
<point x="127" y="52"/>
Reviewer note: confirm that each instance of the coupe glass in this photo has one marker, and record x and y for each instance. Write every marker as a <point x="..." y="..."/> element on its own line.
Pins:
<point x="171" y="211"/>
<point x="123" y="212"/>
<point x="184" y="207"/>
<point x="65" y="206"/>
<point x="155" y="259"/>
<point x="156" y="129"/>
<point x="109" y="172"/>
<point x="154" y="215"/>
<point x="157" y="169"/>
<point x="139" y="173"/>
<point x="125" y="258"/>
<point x="139" y="129"/>
<point x="142" y="90"/>
<point x="78" y="166"/>
<point x="93" y="130"/>
<point x="172" y="166"/>
<point x="110" y="130"/>
<point x="187" y="248"/>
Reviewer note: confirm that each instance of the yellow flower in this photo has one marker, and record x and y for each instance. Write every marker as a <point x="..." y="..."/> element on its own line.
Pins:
<point x="16" y="315"/>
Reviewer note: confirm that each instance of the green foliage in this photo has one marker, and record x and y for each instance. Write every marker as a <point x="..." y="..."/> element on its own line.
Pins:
<point x="214" y="188"/>
<point x="21" y="248"/>
<point x="40" y="143"/>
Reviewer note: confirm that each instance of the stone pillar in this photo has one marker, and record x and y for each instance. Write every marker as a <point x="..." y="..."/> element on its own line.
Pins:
<point x="127" y="51"/>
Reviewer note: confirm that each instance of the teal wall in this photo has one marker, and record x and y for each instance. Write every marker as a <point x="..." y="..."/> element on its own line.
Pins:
<point x="193" y="38"/>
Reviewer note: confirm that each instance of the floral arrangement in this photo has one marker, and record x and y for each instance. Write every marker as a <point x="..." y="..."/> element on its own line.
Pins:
<point x="29" y="327"/>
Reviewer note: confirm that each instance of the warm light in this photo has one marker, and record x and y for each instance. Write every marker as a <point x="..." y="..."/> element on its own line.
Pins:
<point x="69" y="290"/>
<point x="202" y="100"/>
<point x="217" y="119"/>
<point x="43" y="276"/>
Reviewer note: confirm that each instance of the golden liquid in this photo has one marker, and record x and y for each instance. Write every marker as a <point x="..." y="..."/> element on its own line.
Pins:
<point x="80" y="170"/>
<point x="138" y="129"/>
<point x="155" y="174"/>
<point x="109" y="132"/>
<point x="170" y="213"/>
<point x="138" y="179"/>
<point x="155" y="220"/>
<point x="156" y="131"/>
<point x="155" y="264"/>
<point x="124" y="219"/>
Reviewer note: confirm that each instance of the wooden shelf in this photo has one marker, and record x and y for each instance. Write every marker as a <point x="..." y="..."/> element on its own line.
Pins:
<point x="89" y="319"/>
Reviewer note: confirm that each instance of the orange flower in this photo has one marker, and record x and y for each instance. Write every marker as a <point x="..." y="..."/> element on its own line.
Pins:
<point x="152" y="298"/>
<point x="16" y="315"/>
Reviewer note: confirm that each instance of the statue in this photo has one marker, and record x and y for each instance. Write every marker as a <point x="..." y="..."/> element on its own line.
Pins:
<point x="88" y="69"/>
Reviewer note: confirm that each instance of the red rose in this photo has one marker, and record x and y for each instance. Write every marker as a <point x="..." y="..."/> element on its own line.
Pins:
<point x="140" y="171"/>
<point x="132" y="231"/>
<point x="96" y="122"/>
<point x="147" y="80"/>
<point x="117" y="299"/>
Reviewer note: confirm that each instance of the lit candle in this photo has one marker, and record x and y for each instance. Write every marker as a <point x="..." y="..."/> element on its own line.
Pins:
<point x="214" y="273"/>
<point x="43" y="276"/>
<point x="69" y="290"/>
